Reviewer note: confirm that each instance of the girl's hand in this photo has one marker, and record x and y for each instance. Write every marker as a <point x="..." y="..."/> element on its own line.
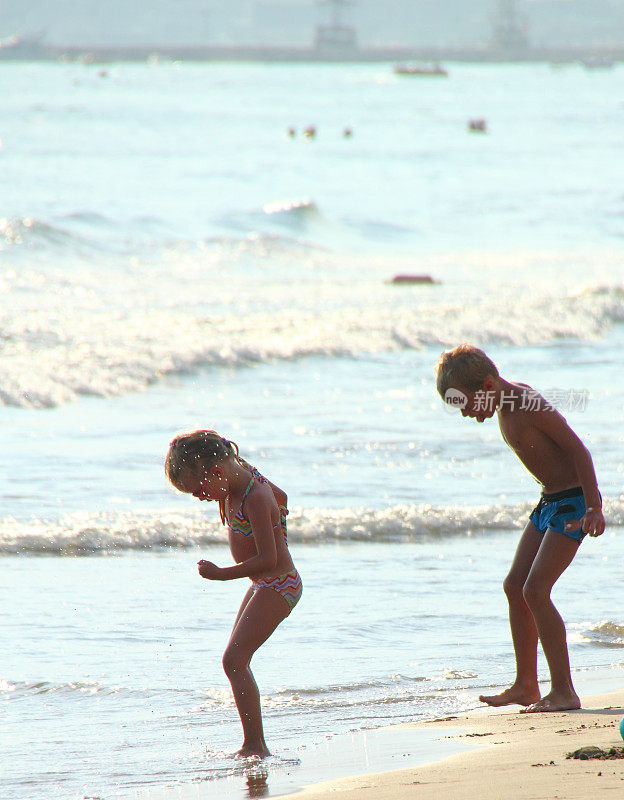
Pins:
<point x="208" y="570"/>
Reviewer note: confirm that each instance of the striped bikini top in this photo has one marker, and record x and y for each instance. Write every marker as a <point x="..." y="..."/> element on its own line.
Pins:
<point x="239" y="523"/>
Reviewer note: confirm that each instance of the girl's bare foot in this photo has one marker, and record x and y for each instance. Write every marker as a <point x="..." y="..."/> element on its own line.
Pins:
<point x="259" y="751"/>
<point x="520" y="695"/>
<point x="555" y="701"/>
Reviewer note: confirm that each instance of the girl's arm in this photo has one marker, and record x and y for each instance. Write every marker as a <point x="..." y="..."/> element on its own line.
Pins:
<point x="258" y="511"/>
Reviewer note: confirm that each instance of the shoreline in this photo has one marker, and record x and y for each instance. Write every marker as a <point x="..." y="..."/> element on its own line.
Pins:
<point x="446" y="757"/>
<point x="526" y="752"/>
<point x="363" y="752"/>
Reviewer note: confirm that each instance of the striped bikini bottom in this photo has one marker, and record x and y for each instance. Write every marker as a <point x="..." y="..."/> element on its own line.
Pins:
<point x="288" y="585"/>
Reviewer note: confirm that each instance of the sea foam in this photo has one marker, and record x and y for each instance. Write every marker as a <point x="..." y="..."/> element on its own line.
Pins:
<point x="90" y="533"/>
<point x="132" y="320"/>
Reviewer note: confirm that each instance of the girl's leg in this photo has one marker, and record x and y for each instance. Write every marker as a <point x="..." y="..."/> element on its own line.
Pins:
<point x="525" y="689"/>
<point x="554" y="556"/>
<point x="248" y="595"/>
<point x="257" y="620"/>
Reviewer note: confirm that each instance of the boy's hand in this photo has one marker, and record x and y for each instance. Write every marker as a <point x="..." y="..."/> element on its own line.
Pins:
<point x="593" y="522"/>
<point x="208" y="570"/>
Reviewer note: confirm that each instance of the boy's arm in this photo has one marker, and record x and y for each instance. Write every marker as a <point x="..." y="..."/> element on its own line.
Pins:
<point x="554" y="425"/>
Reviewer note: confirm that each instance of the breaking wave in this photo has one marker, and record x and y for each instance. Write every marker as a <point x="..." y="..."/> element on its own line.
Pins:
<point x="75" y="337"/>
<point x="104" y="310"/>
<point x="90" y="533"/>
<point x="606" y="634"/>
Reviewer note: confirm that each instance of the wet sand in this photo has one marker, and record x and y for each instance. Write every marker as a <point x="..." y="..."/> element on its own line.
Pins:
<point x="485" y="753"/>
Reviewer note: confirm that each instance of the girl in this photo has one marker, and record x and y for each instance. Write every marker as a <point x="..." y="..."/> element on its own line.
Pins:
<point x="208" y="466"/>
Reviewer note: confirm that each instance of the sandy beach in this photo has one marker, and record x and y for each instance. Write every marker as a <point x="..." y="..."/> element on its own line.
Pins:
<point x="488" y="754"/>
<point x="520" y="756"/>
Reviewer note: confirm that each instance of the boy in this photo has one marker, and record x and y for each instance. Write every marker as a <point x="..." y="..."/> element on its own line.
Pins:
<point x="569" y="508"/>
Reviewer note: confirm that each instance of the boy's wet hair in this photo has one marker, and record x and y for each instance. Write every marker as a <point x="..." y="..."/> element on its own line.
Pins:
<point x="465" y="367"/>
<point x="196" y="453"/>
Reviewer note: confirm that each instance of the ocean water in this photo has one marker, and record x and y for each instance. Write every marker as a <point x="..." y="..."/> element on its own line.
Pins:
<point x="170" y="258"/>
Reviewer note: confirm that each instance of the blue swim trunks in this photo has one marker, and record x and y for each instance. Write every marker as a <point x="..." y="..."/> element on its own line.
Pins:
<point x="561" y="512"/>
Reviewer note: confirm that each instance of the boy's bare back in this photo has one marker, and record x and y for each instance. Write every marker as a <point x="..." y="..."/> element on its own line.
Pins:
<point x="539" y="435"/>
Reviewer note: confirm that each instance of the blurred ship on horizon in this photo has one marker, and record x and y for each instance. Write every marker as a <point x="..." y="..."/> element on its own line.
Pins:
<point x="334" y="41"/>
<point x="420" y="69"/>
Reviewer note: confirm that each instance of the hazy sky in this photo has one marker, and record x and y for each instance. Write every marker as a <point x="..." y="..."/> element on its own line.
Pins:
<point x="443" y="22"/>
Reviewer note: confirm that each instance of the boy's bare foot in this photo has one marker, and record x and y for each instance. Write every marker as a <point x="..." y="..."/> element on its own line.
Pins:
<point x="249" y="751"/>
<point x="555" y="701"/>
<point x="514" y="695"/>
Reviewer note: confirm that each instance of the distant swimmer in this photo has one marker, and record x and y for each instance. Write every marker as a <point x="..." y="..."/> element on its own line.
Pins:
<point x="309" y="132"/>
<point x="477" y="125"/>
<point x="291" y="132"/>
<point x="208" y="466"/>
<point x="347" y="133"/>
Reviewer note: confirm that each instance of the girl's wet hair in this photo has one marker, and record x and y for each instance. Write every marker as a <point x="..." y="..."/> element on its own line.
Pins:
<point x="196" y="453"/>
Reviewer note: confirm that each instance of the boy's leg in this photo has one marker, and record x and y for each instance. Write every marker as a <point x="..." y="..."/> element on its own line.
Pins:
<point x="257" y="620"/>
<point x="554" y="556"/>
<point x="525" y="689"/>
